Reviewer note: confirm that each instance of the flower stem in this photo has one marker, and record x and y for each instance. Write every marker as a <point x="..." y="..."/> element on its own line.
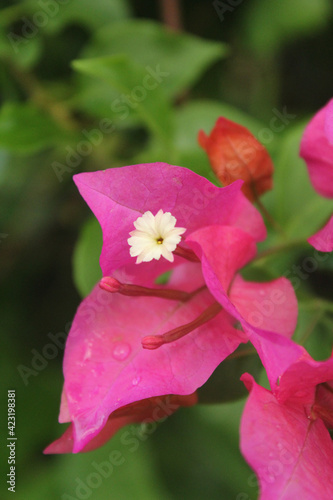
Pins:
<point x="171" y="14"/>
<point x="42" y="99"/>
<point x="265" y="213"/>
<point x="240" y="354"/>
<point x="186" y="253"/>
<point x="326" y="305"/>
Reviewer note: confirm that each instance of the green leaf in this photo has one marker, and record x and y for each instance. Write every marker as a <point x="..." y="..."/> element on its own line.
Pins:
<point x="129" y="79"/>
<point x="224" y="384"/>
<point x="10" y="14"/>
<point x="197" y="450"/>
<point x="168" y="57"/>
<point x="293" y="201"/>
<point x="26" y="129"/>
<point x="86" y="269"/>
<point x="113" y="471"/>
<point x="202" y="114"/>
<point x="184" y="57"/>
<point x="93" y="15"/>
<point x="268" y="25"/>
<point x="21" y="51"/>
<point x="314" y="329"/>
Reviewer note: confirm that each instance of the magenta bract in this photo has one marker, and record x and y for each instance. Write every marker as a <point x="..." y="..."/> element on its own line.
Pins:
<point x="317" y="150"/>
<point x="284" y="432"/>
<point x="323" y="239"/>
<point x="105" y="365"/>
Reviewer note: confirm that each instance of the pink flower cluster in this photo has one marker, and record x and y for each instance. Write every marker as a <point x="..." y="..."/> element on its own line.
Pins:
<point x="139" y="350"/>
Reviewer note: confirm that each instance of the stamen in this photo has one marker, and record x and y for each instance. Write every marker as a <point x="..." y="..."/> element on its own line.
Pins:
<point x="186" y="253"/>
<point x="112" y="285"/>
<point x="155" y="341"/>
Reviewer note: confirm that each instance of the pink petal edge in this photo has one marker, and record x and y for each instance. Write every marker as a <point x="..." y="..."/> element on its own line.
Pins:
<point x="323" y="239"/>
<point x="317" y="150"/>
<point x="291" y="455"/>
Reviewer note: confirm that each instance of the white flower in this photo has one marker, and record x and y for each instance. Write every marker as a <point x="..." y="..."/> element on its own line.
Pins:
<point x="155" y="235"/>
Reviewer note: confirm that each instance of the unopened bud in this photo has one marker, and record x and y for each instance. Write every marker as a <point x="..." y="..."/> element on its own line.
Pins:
<point x="110" y="284"/>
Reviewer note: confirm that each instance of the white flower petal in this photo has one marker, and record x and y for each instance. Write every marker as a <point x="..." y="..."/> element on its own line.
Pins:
<point x="168" y="255"/>
<point x="170" y="245"/>
<point x="154" y="236"/>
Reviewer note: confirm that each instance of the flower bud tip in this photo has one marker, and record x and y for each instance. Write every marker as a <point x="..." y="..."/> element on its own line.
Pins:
<point x="152" y="342"/>
<point x="110" y="284"/>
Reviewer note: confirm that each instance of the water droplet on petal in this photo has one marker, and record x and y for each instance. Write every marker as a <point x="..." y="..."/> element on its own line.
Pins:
<point x="121" y="351"/>
<point x="136" y="380"/>
<point x="261" y="292"/>
<point x="87" y="354"/>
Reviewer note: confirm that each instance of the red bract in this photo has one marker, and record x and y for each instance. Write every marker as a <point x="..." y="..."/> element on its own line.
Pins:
<point x="235" y="153"/>
<point x="284" y="432"/>
<point x="138" y="340"/>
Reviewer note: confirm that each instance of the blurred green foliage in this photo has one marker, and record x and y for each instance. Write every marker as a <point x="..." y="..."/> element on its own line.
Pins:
<point x="90" y="85"/>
